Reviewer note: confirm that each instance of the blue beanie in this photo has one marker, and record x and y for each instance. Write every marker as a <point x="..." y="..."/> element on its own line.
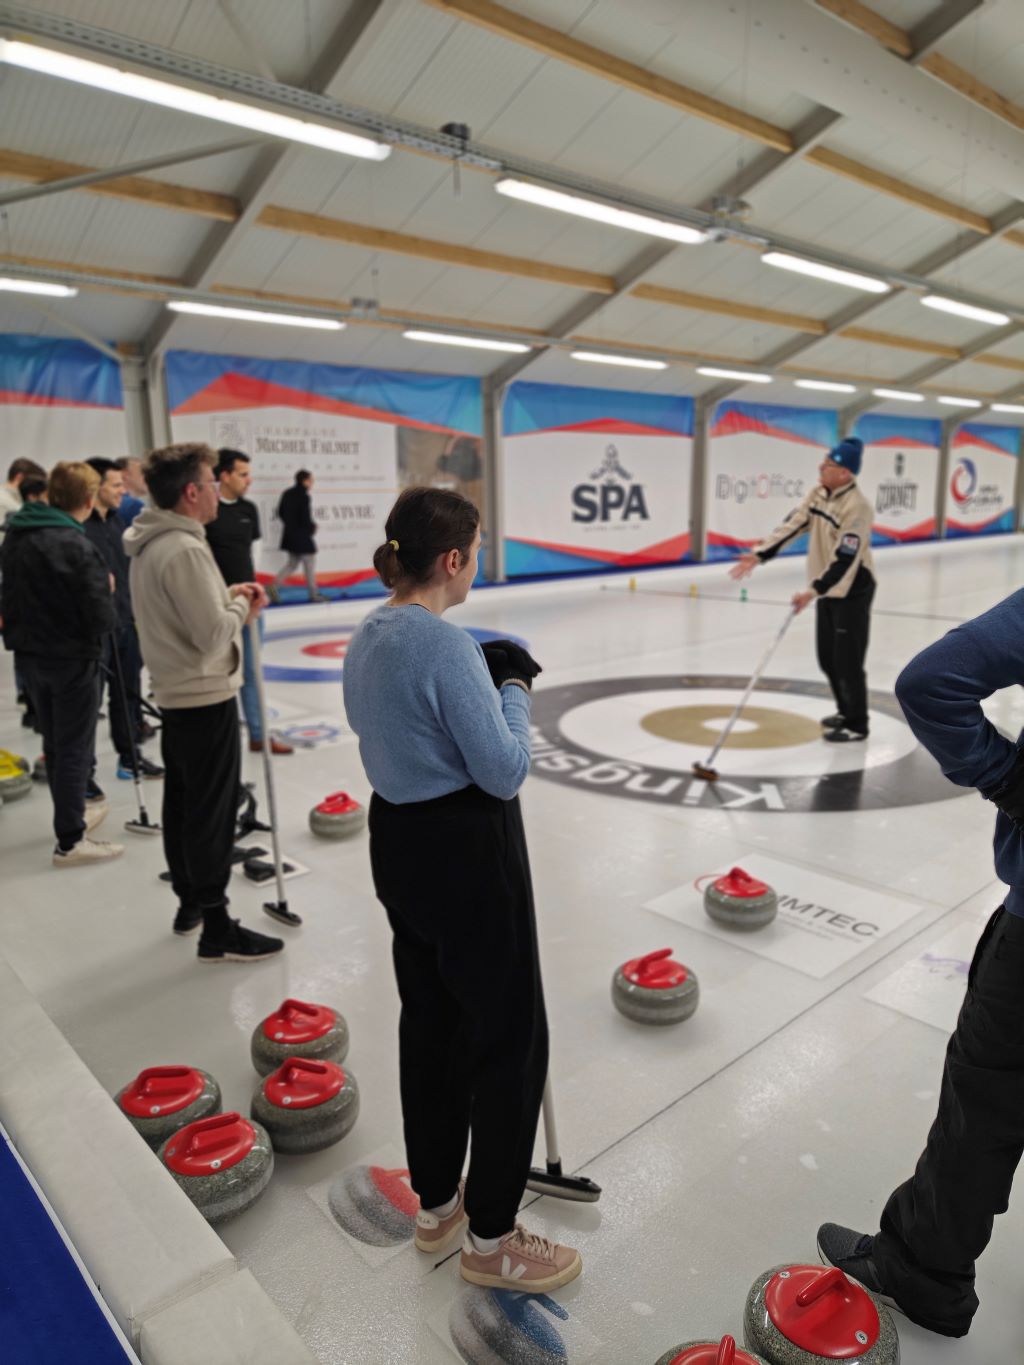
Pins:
<point x="848" y="454"/>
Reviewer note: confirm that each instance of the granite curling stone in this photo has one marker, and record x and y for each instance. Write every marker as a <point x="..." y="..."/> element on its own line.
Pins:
<point x="223" y="1163"/>
<point x="162" y="1099"/>
<point x="494" y="1325"/>
<point x="740" y="901"/>
<point x="724" y="1352"/>
<point x="806" y="1315"/>
<point x="655" y="989"/>
<point x="15" y="776"/>
<point x="306" y="1105"/>
<point x="338" y="816"/>
<point x="375" y="1205"/>
<point x="299" y="1029"/>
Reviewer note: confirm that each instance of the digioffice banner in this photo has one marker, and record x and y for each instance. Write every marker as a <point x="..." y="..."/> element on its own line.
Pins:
<point x="762" y="462"/>
<point x="363" y="435"/>
<point x="59" y="400"/>
<point x="900" y="475"/>
<point x="595" y="479"/>
<point x="982" y="479"/>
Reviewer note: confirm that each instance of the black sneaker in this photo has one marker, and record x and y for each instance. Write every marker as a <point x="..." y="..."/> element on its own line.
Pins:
<point x="239" y="945"/>
<point x="94" y="792"/>
<point x="146" y="769"/>
<point x="833" y="722"/>
<point x="844" y="735"/>
<point x="850" y="1252"/>
<point x="186" y="921"/>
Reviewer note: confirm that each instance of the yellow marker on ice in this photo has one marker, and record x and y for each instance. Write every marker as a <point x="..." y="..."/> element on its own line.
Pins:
<point x="693" y="589"/>
<point x="632" y="585"/>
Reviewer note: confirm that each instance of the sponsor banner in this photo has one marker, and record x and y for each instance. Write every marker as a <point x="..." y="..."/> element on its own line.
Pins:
<point x="59" y="400"/>
<point x="762" y="462"/>
<point x="372" y="1207"/>
<point x="822" y="922"/>
<point x="595" y="479"/>
<point x="982" y="477"/>
<point x="492" y="1325"/>
<point x="899" y="476"/>
<point x="363" y="435"/>
<point x="930" y="987"/>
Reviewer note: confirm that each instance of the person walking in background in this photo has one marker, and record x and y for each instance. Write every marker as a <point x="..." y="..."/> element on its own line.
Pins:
<point x="231" y="537"/>
<point x="298" y="535"/>
<point x="134" y="499"/>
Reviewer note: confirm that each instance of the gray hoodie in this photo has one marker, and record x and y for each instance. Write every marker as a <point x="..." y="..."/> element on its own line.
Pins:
<point x="189" y="628"/>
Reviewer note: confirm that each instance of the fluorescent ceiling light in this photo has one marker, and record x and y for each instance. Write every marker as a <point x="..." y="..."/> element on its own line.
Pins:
<point x="53" y="291"/>
<point x="965" y="310"/>
<point x="1007" y="407"/>
<point x="478" y="343"/>
<point x="952" y="402"/>
<point x="802" y="266"/>
<point x="899" y="395"/>
<point x="213" y="310"/>
<point x="827" y="384"/>
<point x="187" y="101"/>
<point x="546" y="198"/>
<point x="631" y="361"/>
<point x="713" y="372"/>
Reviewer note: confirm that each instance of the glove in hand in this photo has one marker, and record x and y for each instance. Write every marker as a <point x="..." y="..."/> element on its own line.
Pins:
<point x="508" y="661"/>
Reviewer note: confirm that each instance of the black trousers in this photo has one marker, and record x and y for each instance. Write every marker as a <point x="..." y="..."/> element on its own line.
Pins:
<point x="203" y="761"/>
<point x="454" y="878"/>
<point x="938" y="1223"/>
<point x="123" y="705"/>
<point x="65" y="695"/>
<point x="844" y="625"/>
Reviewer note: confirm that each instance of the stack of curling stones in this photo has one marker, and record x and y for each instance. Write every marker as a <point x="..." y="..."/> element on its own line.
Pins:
<point x="223" y="1163"/>
<point x="740" y="901"/>
<point x="804" y="1315"/>
<point x="724" y="1352"/>
<point x="338" y="816"/>
<point x="163" y="1099"/>
<point x="306" y="1101"/>
<point x="15" y="776"/>
<point x="655" y="989"/>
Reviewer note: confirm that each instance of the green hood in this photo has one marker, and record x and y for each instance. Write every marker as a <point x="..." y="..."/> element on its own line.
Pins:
<point x="34" y="516"/>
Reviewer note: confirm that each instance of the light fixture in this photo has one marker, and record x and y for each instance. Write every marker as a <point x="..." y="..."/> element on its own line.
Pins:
<point x="965" y="310"/>
<point x="631" y="361"/>
<point x="828" y="385"/>
<point x="748" y="376"/>
<point x="953" y="402"/>
<point x="53" y="291"/>
<point x="1007" y="407"/>
<point x="213" y="310"/>
<point x="802" y="266"/>
<point x="547" y="198"/>
<point x="48" y="62"/>
<point x="477" y="343"/>
<point x="899" y="395"/>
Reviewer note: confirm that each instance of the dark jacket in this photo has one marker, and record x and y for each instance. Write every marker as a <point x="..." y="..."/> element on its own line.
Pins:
<point x="298" y="529"/>
<point x="107" y="534"/>
<point x="56" y="598"/>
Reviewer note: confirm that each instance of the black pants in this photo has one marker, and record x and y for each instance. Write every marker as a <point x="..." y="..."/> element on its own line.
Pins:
<point x="202" y="758"/>
<point x="123" y="705"/>
<point x="65" y="698"/>
<point x="844" y="624"/>
<point x="454" y="877"/>
<point x="938" y="1223"/>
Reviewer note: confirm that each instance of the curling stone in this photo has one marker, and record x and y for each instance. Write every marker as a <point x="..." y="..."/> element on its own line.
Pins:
<point x="306" y="1105"/>
<point x="740" y="901"/>
<point x="375" y="1205"/>
<point x="494" y="1325"/>
<point x="806" y="1315"/>
<point x="724" y="1352"/>
<point x="655" y="989"/>
<point x="15" y="776"/>
<point x="223" y="1163"/>
<point x="337" y="816"/>
<point x="163" y="1099"/>
<point x="299" y="1029"/>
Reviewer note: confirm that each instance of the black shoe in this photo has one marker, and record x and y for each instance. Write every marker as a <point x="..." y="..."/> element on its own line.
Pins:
<point x="844" y="735"/>
<point x="146" y="769"/>
<point x="238" y="945"/>
<point x="186" y="921"/>
<point x="93" y="791"/>
<point x="850" y="1252"/>
<point x="833" y="722"/>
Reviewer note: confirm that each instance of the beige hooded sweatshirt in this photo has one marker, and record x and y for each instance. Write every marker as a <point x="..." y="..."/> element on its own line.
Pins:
<point x="190" y="630"/>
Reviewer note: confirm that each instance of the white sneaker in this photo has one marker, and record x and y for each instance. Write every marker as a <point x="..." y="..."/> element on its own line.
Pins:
<point x="95" y="815"/>
<point x="87" y="851"/>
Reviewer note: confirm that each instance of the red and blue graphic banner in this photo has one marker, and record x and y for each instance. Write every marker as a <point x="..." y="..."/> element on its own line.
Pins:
<point x="59" y="400"/>
<point x="363" y="435"/>
<point x="762" y="462"/>
<point x="595" y="479"/>
<point x="900" y="475"/>
<point x="982" y="480"/>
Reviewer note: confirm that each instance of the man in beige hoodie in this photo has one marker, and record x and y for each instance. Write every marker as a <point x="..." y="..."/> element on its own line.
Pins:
<point x="190" y="628"/>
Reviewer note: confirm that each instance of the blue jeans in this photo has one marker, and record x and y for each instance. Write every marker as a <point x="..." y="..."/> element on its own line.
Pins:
<point x="249" y="695"/>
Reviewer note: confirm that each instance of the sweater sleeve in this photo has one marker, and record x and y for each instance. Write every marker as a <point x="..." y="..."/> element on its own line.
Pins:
<point x="797" y="521"/>
<point x="198" y="592"/>
<point x="941" y="691"/>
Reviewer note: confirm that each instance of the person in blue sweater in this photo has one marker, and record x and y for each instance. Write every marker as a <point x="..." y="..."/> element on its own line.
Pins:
<point x="444" y="735"/>
<point x="936" y="1224"/>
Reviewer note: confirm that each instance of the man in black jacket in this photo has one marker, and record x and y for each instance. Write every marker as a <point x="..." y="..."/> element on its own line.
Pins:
<point x="298" y="535"/>
<point x="57" y="606"/>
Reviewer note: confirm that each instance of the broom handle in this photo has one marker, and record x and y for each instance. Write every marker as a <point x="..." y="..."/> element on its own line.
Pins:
<point x="268" y="776"/>
<point x="773" y="646"/>
<point x="550" y="1132"/>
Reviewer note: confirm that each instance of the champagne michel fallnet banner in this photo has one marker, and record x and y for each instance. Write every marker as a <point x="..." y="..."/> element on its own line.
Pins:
<point x="59" y="400"/>
<point x="595" y="479"/>
<point x="363" y="435"/>
<point x="900" y="475"/>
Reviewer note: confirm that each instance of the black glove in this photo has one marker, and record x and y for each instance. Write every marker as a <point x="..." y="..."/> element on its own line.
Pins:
<point x="507" y="661"/>
<point x="1009" y="795"/>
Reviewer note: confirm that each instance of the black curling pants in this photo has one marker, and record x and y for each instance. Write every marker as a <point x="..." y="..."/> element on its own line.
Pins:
<point x="65" y="695"/>
<point x="844" y="626"/>
<point x="454" y="878"/>
<point x="938" y="1223"/>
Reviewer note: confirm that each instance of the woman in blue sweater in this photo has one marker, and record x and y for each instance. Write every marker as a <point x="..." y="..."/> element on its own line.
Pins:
<point x="444" y="735"/>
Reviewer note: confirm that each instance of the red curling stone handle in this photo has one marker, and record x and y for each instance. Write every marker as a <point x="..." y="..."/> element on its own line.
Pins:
<point x="822" y="1285"/>
<point x="726" y="1352"/>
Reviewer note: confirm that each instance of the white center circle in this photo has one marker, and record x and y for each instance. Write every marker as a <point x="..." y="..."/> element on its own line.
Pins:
<point x="716" y="724"/>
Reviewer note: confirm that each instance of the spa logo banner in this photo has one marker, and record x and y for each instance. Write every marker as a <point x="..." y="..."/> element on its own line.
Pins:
<point x="900" y="474"/>
<point x="982" y="478"/>
<point x="59" y="400"/>
<point x="595" y="479"/>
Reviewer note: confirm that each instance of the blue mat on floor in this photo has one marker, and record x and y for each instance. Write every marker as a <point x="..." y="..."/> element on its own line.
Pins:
<point x="48" y="1315"/>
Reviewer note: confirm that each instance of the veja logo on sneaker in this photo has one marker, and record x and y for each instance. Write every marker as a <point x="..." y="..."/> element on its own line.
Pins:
<point x="507" y="1272"/>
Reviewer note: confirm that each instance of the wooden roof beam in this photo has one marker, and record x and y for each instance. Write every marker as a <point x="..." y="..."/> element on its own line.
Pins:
<point x="867" y="176"/>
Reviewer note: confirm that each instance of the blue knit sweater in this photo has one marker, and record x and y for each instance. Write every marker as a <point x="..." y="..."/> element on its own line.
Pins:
<point x="941" y="691"/>
<point x="429" y="719"/>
